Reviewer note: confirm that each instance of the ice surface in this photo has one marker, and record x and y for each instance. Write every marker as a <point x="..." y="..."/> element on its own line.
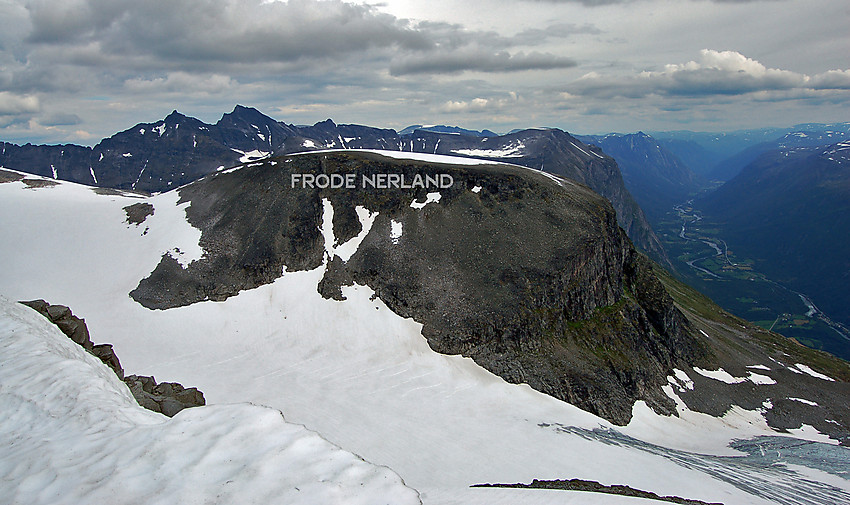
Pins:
<point x="73" y="434"/>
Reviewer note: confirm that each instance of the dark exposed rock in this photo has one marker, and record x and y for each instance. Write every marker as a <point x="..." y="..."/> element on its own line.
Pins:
<point x="39" y="183"/>
<point x="105" y="353"/>
<point x="138" y="212"/>
<point x="9" y="176"/>
<point x="595" y="487"/>
<point x="167" y="398"/>
<point x="60" y="315"/>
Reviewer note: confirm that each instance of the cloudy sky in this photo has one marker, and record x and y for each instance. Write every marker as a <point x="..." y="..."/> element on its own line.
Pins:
<point x="80" y="70"/>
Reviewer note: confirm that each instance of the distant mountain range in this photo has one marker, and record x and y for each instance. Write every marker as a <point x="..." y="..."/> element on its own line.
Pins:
<point x="156" y="157"/>
<point x="720" y="156"/>
<point x="655" y="176"/>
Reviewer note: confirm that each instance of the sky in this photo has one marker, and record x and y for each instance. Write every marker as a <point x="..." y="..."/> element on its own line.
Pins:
<point x="80" y="70"/>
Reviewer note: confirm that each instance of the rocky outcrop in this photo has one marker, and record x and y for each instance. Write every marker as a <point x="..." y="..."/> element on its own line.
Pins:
<point x="591" y="486"/>
<point x="167" y="398"/>
<point x="138" y="212"/>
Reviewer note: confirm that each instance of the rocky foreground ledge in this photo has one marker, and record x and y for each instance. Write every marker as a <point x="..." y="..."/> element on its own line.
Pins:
<point x="167" y="398"/>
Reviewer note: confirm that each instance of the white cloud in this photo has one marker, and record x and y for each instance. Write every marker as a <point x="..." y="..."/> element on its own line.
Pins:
<point x="714" y="73"/>
<point x="12" y="104"/>
<point x="181" y="82"/>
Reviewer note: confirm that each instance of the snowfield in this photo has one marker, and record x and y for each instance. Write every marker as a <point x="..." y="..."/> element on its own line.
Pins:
<point x="353" y="371"/>
<point x="73" y="434"/>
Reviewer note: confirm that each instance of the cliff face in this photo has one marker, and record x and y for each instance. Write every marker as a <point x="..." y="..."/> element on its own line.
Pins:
<point x="529" y="276"/>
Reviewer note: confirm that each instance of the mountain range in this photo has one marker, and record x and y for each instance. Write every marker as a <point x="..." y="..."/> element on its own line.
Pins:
<point x="721" y="156"/>
<point x="156" y="157"/>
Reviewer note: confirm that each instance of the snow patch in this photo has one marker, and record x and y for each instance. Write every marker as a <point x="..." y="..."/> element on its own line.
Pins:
<point x="585" y="152"/>
<point x="807" y="402"/>
<point x="346" y="250"/>
<point x="760" y="379"/>
<point x="309" y="144"/>
<point x="758" y="367"/>
<point x="476" y="189"/>
<point x="513" y="150"/>
<point x="805" y="369"/>
<point x="808" y="432"/>
<point x="159" y="129"/>
<point x="681" y="380"/>
<point x="249" y="156"/>
<point x="395" y="231"/>
<point x="720" y="375"/>
<point x="127" y="155"/>
<point x="429" y="198"/>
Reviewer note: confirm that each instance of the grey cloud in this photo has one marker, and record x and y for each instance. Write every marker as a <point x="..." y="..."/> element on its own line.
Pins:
<point x="478" y="61"/>
<point x="139" y="43"/>
<point x="533" y="36"/>
<point x="235" y="31"/>
<point x="60" y="119"/>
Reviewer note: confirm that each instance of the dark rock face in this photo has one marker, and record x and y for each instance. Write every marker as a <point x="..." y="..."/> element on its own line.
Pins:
<point x="167" y="398"/>
<point x="532" y="279"/>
